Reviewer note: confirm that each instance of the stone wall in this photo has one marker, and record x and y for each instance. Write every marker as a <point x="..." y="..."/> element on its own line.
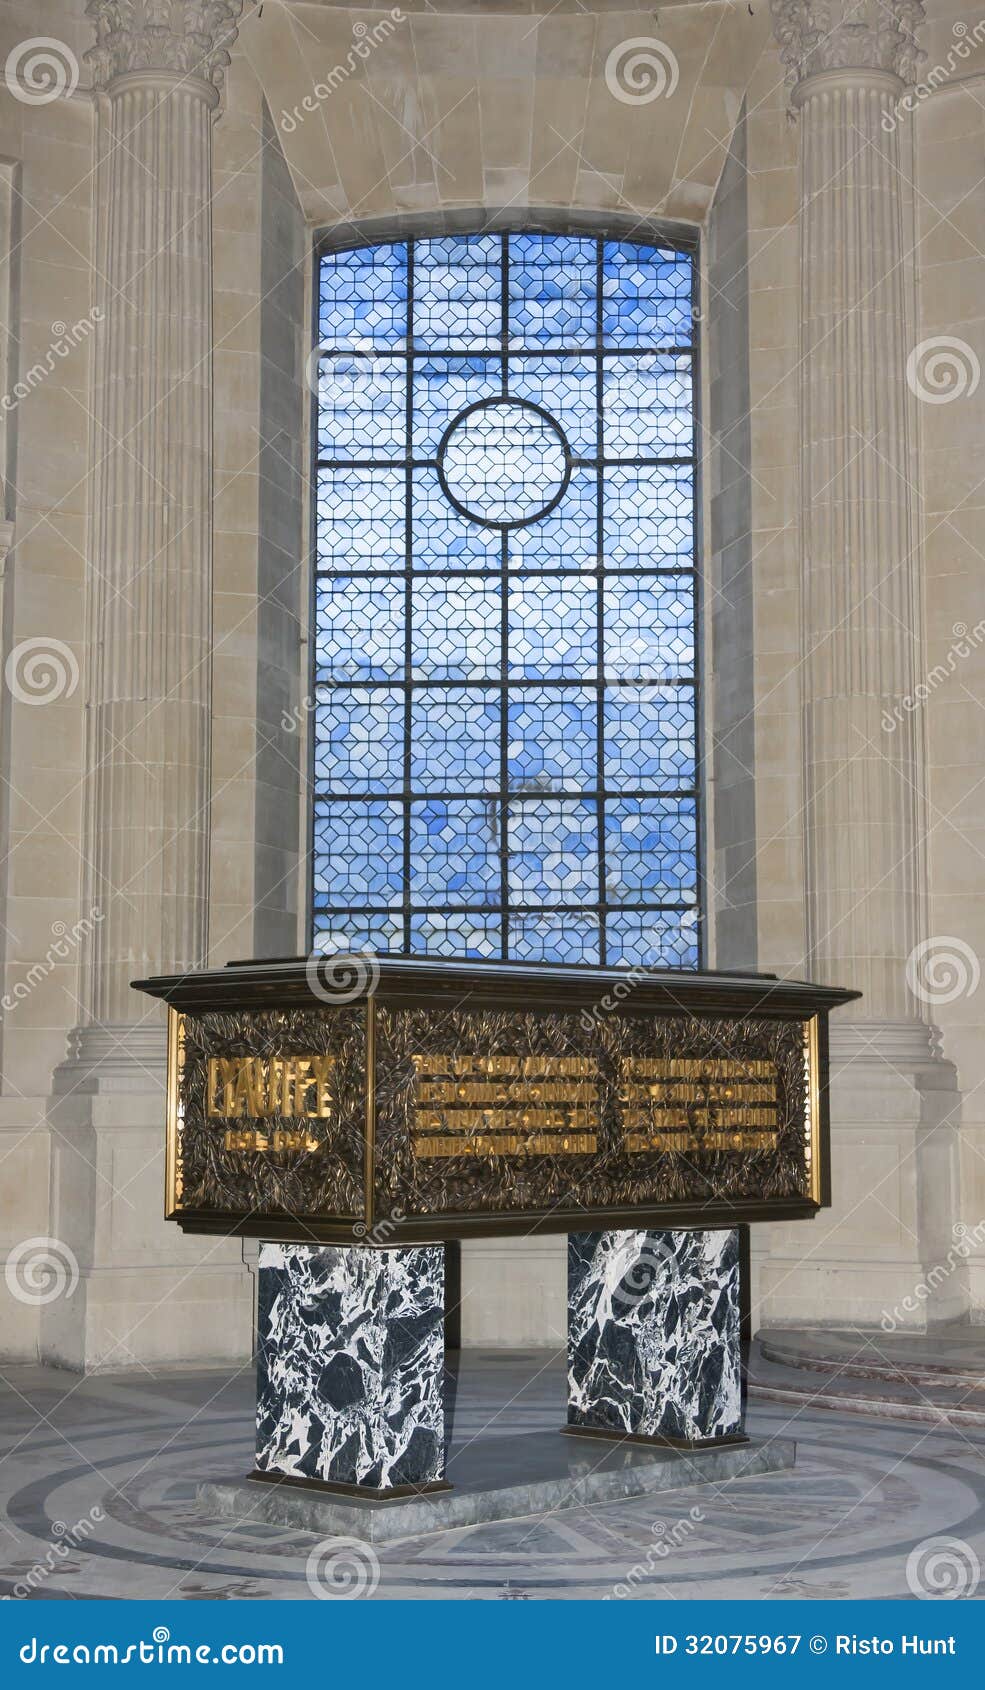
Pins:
<point x="451" y="115"/>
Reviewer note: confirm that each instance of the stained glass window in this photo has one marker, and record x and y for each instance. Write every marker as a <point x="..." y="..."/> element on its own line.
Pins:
<point x="505" y="760"/>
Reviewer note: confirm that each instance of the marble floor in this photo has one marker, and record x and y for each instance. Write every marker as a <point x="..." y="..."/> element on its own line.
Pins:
<point x="98" y="1479"/>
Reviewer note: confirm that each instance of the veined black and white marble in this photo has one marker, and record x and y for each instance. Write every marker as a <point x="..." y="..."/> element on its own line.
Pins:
<point x="653" y="1334"/>
<point x="350" y="1364"/>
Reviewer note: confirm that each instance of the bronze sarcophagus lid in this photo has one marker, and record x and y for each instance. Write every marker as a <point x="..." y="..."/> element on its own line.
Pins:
<point x="400" y="1100"/>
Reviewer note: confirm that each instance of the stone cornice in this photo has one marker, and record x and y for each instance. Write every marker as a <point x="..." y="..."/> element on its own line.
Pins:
<point x="183" y="38"/>
<point x="851" y="35"/>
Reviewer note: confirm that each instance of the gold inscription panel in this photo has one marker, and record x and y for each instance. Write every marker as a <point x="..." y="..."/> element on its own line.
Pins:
<point x="267" y="1113"/>
<point x="505" y="1106"/>
<point x="699" y="1103"/>
<point x="260" y="1087"/>
<point x="340" y="1115"/>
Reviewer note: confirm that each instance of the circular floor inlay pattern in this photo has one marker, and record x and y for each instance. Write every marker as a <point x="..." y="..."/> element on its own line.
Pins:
<point x="504" y="463"/>
<point x="116" y="1483"/>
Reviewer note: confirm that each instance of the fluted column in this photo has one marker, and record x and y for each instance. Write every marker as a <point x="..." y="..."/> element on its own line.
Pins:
<point x="894" y="1101"/>
<point x="865" y="818"/>
<point x="147" y="792"/>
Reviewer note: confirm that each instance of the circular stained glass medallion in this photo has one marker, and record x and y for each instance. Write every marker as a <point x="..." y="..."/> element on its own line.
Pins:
<point x="504" y="463"/>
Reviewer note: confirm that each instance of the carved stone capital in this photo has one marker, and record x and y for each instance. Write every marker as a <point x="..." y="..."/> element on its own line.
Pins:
<point x="850" y="35"/>
<point x="182" y="38"/>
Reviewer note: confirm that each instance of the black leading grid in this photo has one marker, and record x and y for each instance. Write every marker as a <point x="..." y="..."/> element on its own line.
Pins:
<point x="500" y="802"/>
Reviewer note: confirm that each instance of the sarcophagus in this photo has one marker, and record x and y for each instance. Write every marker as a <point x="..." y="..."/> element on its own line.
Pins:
<point x="402" y="1100"/>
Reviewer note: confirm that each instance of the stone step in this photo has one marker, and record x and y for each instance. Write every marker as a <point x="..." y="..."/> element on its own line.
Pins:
<point x="915" y="1359"/>
<point x="944" y="1400"/>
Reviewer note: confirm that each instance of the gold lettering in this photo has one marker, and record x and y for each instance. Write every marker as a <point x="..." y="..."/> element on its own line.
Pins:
<point x="507" y="1144"/>
<point x="322" y="1067"/>
<point x="698" y="1068"/>
<point x="261" y="1087"/>
<point x="635" y="1142"/>
<point x="211" y="1084"/>
<point x="443" y="1064"/>
<point x="491" y="1120"/>
<point x="241" y="1138"/>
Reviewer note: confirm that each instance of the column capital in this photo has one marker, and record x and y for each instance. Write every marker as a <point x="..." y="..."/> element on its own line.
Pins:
<point x="169" y="38"/>
<point x="816" y="36"/>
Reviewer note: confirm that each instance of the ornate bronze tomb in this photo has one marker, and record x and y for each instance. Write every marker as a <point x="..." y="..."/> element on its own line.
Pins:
<point x="433" y="1100"/>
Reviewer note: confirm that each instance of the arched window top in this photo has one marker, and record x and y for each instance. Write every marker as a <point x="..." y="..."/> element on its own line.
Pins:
<point x="504" y="665"/>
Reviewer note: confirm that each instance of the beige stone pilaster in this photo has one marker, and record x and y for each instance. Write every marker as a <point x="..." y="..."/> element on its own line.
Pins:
<point x="894" y="1104"/>
<point x="159" y="72"/>
<point x="861" y="617"/>
<point x="142" y="1293"/>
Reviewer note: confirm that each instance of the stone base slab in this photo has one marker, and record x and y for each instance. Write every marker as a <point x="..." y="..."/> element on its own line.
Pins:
<point x="501" y="1478"/>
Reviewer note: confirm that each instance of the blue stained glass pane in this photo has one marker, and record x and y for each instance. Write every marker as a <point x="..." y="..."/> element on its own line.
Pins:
<point x="454" y="744"/>
<point x="571" y="938"/>
<point x="362" y="408"/>
<point x="359" y="629"/>
<point x="454" y="853"/>
<point x="359" y="740"/>
<point x="457" y="629"/>
<point x="649" y="628"/>
<point x="436" y="934"/>
<point x="390" y="543"/>
<point x="566" y="388"/>
<point x="442" y="537"/>
<point x="646" y="296"/>
<point x="363" y="296"/>
<point x="567" y="537"/>
<point x="359" y="854"/>
<point x="457" y="291"/>
<point x="552" y="290"/>
<point x="442" y="388"/>
<point x="652" y="939"/>
<point x="552" y="628"/>
<point x="649" y="736"/>
<point x="360" y="519"/>
<point x="648" y="517"/>
<point x="551" y="742"/>
<point x="366" y="931"/>
<point x="650" y="846"/>
<point x="553" y="851"/>
<point x="647" y="406"/>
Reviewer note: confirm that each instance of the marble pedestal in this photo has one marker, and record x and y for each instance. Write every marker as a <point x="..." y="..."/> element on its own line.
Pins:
<point x="350" y="1368"/>
<point x="521" y="1475"/>
<point x="653" y="1336"/>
